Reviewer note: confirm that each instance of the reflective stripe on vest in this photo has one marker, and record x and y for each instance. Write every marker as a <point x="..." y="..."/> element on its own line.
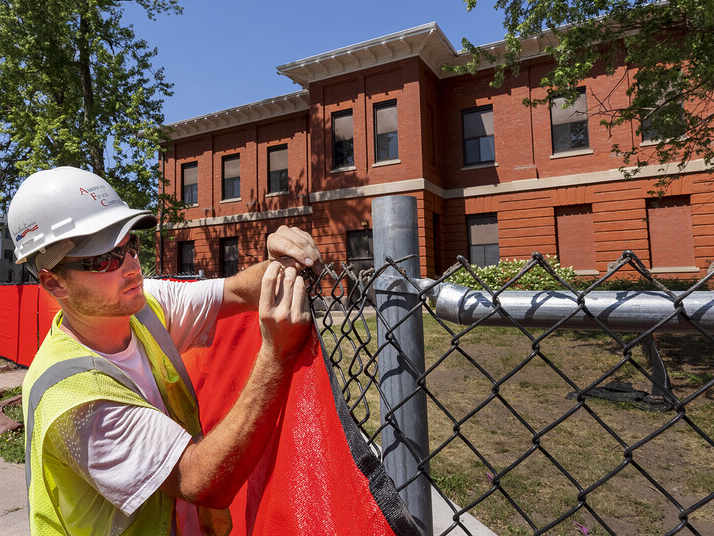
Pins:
<point x="148" y="317"/>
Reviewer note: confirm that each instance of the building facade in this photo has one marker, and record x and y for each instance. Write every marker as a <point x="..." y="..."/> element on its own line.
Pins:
<point x="10" y="273"/>
<point x="493" y="178"/>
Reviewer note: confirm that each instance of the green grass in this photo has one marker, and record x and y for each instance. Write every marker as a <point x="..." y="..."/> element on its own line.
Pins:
<point x="12" y="443"/>
<point x="10" y="393"/>
<point x="12" y="446"/>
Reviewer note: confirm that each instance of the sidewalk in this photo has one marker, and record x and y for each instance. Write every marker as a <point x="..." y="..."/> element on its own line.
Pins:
<point x="13" y="497"/>
<point x="13" y="500"/>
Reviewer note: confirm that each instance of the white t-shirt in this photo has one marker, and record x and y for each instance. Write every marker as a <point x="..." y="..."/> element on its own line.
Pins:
<point x="126" y="452"/>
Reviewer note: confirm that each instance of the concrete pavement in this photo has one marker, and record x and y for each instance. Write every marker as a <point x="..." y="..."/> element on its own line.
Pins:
<point x="13" y="493"/>
<point x="13" y="500"/>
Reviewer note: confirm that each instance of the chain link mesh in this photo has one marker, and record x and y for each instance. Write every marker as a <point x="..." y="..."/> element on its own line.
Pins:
<point x="537" y="431"/>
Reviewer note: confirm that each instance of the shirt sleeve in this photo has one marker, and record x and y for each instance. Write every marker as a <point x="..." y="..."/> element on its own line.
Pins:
<point x="125" y="452"/>
<point x="191" y="309"/>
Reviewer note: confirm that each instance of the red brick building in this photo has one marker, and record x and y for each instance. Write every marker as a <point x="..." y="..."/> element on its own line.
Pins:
<point x="493" y="178"/>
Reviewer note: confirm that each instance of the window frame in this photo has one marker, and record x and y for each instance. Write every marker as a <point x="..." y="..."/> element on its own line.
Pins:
<point x="569" y="147"/>
<point x="470" y="220"/>
<point x="225" y="241"/>
<point x="184" y="167"/>
<point x="224" y="159"/>
<point x="284" y="176"/>
<point x="350" y="164"/>
<point x="465" y="140"/>
<point x="181" y="262"/>
<point x="392" y="103"/>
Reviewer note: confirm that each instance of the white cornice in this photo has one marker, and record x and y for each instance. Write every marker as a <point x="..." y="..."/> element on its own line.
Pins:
<point x="298" y="101"/>
<point x="426" y="41"/>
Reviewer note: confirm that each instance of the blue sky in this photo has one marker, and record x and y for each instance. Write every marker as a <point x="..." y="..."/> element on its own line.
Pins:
<point x="224" y="53"/>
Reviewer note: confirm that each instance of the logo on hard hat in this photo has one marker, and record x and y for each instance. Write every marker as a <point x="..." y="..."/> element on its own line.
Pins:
<point x="27" y="228"/>
<point x="96" y="195"/>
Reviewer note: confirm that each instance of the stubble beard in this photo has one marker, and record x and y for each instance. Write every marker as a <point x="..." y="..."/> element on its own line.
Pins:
<point x="88" y="303"/>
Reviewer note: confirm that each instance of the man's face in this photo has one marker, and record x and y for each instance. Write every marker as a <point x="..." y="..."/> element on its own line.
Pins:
<point x="111" y="294"/>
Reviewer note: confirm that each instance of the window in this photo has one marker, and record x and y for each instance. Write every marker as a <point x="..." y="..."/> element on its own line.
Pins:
<point x="231" y="177"/>
<point x="669" y="222"/>
<point x="483" y="239"/>
<point x="229" y="252"/>
<point x="360" y="254"/>
<point x="664" y="122"/>
<point x="576" y="236"/>
<point x="187" y="257"/>
<point x="8" y="255"/>
<point x="278" y="169"/>
<point x="189" y="183"/>
<point x="570" y="125"/>
<point x="385" y="131"/>
<point x="479" y="145"/>
<point x="342" y="140"/>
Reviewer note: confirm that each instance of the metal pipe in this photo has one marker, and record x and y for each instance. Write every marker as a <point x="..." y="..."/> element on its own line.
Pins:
<point x="635" y="311"/>
<point x="401" y="362"/>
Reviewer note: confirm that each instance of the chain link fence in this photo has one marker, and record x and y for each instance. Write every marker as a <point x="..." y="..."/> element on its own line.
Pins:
<point x="559" y="412"/>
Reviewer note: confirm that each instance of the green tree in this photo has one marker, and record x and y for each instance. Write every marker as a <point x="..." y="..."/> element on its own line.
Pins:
<point x="669" y="44"/>
<point x="77" y="87"/>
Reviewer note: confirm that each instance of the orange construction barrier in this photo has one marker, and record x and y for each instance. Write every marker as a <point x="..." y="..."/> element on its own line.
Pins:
<point x="317" y="475"/>
<point x="10" y="319"/>
<point x="26" y="313"/>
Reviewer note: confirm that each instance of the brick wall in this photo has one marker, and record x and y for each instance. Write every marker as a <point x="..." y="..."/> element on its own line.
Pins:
<point x="527" y="186"/>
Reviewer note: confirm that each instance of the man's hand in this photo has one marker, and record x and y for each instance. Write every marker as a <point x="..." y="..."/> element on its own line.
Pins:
<point x="291" y="246"/>
<point x="211" y="471"/>
<point x="283" y="312"/>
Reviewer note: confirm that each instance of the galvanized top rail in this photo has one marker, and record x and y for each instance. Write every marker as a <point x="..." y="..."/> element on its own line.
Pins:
<point x="618" y="310"/>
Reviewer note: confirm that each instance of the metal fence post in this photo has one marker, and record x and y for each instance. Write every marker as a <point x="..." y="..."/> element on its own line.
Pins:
<point x="394" y="220"/>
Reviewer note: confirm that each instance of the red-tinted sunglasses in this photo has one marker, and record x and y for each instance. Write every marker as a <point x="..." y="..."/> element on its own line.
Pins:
<point x="106" y="262"/>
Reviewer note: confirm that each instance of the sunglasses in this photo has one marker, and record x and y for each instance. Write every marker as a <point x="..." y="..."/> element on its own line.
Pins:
<point x="106" y="262"/>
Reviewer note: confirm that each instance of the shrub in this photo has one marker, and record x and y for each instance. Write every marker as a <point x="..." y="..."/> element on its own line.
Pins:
<point x="640" y="284"/>
<point x="499" y="274"/>
<point x="537" y="278"/>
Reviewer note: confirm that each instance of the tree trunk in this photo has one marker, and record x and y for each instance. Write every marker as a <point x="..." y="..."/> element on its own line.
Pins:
<point x="96" y="149"/>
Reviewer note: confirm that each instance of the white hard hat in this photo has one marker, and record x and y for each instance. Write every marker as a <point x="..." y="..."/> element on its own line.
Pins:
<point x="69" y="211"/>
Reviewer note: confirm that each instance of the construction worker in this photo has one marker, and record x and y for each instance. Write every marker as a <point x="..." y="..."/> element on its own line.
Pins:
<point x="114" y="443"/>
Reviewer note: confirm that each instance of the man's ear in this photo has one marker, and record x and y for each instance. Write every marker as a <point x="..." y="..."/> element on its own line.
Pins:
<point x="53" y="283"/>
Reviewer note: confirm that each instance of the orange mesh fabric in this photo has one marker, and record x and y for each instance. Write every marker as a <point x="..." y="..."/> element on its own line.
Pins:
<point x="316" y="475"/>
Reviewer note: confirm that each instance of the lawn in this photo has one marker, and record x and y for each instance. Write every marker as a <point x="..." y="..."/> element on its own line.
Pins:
<point x="552" y="460"/>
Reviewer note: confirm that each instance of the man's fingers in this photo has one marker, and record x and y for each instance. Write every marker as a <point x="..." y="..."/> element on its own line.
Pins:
<point x="301" y="306"/>
<point x="283" y="311"/>
<point x="269" y="286"/>
<point x="286" y="289"/>
<point x="293" y="247"/>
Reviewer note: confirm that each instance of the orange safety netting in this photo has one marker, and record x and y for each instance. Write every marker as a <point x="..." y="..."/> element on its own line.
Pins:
<point x="317" y="475"/>
<point x="26" y="312"/>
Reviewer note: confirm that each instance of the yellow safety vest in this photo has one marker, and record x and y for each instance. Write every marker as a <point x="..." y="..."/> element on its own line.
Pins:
<point x="64" y="375"/>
